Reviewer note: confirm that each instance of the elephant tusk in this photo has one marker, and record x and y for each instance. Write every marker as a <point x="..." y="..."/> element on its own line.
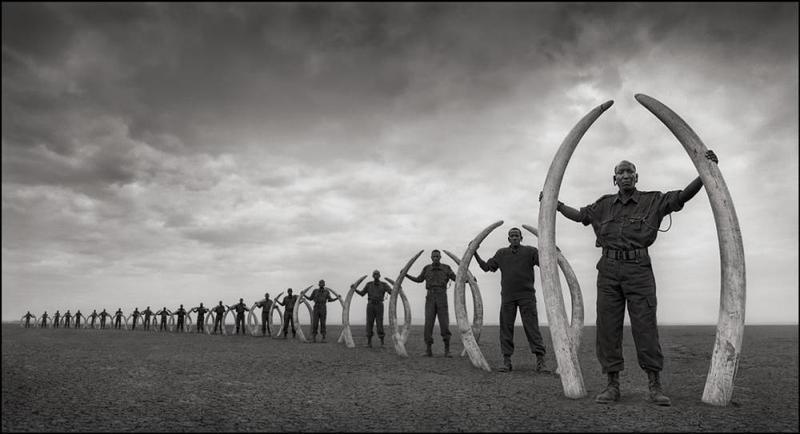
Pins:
<point x="301" y="298"/>
<point x="730" y="325"/>
<point x="567" y="358"/>
<point x="467" y="337"/>
<point x="477" y="302"/>
<point x="347" y="334"/>
<point x="399" y="336"/>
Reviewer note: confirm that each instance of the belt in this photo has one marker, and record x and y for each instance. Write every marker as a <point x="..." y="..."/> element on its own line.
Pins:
<point x="626" y="255"/>
<point x="376" y="301"/>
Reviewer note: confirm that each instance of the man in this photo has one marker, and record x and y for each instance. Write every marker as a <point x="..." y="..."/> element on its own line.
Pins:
<point x="201" y="312"/>
<point x="103" y="316"/>
<point x="240" y="309"/>
<point x="265" y="305"/>
<point x="78" y="316"/>
<point x="515" y="263"/>
<point x="181" y="313"/>
<point x="56" y="319"/>
<point x="135" y="316"/>
<point x="67" y="318"/>
<point x="436" y="276"/>
<point x="164" y="315"/>
<point x="118" y="318"/>
<point x="93" y="316"/>
<point x="376" y="291"/>
<point x="321" y="297"/>
<point x="219" y="310"/>
<point x="28" y="317"/>
<point x="288" y="313"/>
<point x="626" y="224"/>
<point x="44" y="320"/>
<point x="147" y="314"/>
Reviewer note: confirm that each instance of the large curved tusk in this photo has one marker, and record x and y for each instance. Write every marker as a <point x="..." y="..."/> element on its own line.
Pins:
<point x="477" y="303"/>
<point x="399" y="336"/>
<point x="576" y="320"/>
<point x="341" y="303"/>
<point x="730" y="325"/>
<point x="275" y="306"/>
<point x="467" y="338"/>
<point x="405" y="329"/>
<point x="347" y="334"/>
<point x="301" y="298"/>
<point x="252" y="320"/>
<point x="568" y="364"/>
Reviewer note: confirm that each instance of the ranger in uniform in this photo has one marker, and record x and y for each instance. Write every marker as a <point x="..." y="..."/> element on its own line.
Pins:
<point x="436" y="276"/>
<point x="288" y="313"/>
<point x="239" y="308"/>
<point x="265" y="305"/>
<point x="376" y="291"/>
<point x="201" y="316"/>
<point x="626" y="224"/>
<point x="321" y="297"/>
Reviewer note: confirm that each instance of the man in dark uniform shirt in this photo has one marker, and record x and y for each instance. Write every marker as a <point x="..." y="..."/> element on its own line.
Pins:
<point x="626" y="224"/>
<point x="240" y="309"/>
<point x="321" y="297"/>
<point x="28" y="317"/>
<point x="219" y="310"/>
<point x="181" y="313"/>
<point x="44" y="320"/>
<point x="93" y="316"/>
<point x="147" y="314"/>
<point x="103" y="316"/>
<point x="265" y="305"/>
<point x="135" y="316"/>
<point x="56" y="319"/>
<point x="201" y="315"/>
<point x="67" y="319"/>
<point x="164" y="315"/>
<point x="78" y="316"/>
<point x="436" y="276"/>
<point x="377" y="290"/>
<point x="118" y="318"/>
<point x="515" y="263"/>
<point x="288" y="313"/>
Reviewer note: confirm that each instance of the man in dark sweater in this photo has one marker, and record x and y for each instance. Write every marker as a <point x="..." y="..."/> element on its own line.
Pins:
<point x="515" y="263"/>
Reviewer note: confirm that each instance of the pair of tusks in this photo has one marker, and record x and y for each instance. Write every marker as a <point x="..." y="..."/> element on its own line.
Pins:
<point x="32" y="321"/>
<point x="300" y="335"/>
<point x="212" y="317"/>
<point x="730" y="325"/>
<point x="468" y="335"/>
<point x="400" y="333"/>
<point x="252" y="319"/>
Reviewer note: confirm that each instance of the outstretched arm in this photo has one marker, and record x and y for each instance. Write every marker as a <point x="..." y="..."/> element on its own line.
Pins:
<point x="694" y="186"/>
<point x="418" y="279"/>
<point x="565" y="210"/>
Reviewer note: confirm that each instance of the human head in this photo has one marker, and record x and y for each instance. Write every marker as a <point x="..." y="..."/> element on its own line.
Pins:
<point x="376" y="275"/>
<point x="241" y="300"/>
<point x="220" y="302"/>
<point x="625" y="176"/>
<point x="266" y="295"/>
<point x="289" y="291"/>
<point x="436" y="256"/>
<point x="201" y="304"/>
<point x="514" y="237"/>
<point x="181" y="306"/>
<point x="321" y="283"/>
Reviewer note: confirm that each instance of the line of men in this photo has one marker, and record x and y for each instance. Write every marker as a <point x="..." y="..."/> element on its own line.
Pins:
<point x="625" y="223"/>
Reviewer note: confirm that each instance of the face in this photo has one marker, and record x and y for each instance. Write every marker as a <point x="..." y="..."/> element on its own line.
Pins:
<point x="321" y="283"/>
<point x="289" y="291"/>
<point x="436" y="257"/>
<point x="376" y="275"/>
<point x="514" y="238"/>
<point x="266" y="295"/>
<point x="625" y="176"/>
<point x="201" y="304"/>
<point x="241" y="300"/>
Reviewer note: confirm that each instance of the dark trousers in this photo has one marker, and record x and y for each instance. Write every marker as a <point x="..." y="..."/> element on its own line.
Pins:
<point x="117" y="322"/>
<point x="146" y="324"/>
<point x="264" y="325"/>
<point x="375" y="315"/>
<point x="133" y="327"/>
<point x="318" y="318"/>
<point x="200" y="324"/>
<point x="218" y="323"/>
<point x="93" y="322"/>
<point x="77" y="323"/>
<point x="530" y="323"/>
<point x="436" y="306"/>
<point x="632" y="282"/>
<point x="102" y="323"/>
<point x="163" y="324"/>
<point x="180" y="324"/>
<point x="240" y="323"/>
<point x="288" y="318"/>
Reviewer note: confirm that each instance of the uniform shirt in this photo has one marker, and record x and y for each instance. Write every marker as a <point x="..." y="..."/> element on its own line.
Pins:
<point x="181" y="312"/>
<point x="201" y="311"/>
<point x="163" y="314"/>
<point x="376" y="291"/>
<point x="219" y="310"/>
<point x="516" y="267"/>
<point x="28" y="316"/>
<point x="436" y="276"/>
<point x="67" y="316"/>
<point x="321" y="295"/>
<point x="94" y="315"/>
<point x="104" y="314"/>
<point x="265" y="306"/>
<point x="289" y="302"/>
<point x="239" y="308"/>
<point x="118" y="313"/>
<point x="631" y="223"/>
<point x="147" y="313"/>
<point x="136" y="314"/>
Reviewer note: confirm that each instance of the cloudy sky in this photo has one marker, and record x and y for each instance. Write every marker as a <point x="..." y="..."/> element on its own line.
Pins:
<point x="158" y="154"/>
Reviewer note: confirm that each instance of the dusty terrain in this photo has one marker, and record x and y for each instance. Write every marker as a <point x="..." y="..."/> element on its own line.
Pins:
<point x="92" y="380"/>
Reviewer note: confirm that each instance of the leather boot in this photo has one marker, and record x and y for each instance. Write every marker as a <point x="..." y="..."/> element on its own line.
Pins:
<point x="541" y="366"/>
<point x="381" y="340"/>
<point x="506" y="366"/>
<point x="611" y="392"/>
<point x="656" y="395"/>
<point x="369" y="342"/>
<point x="428" y="351"/>
<point x="447" y="349"/>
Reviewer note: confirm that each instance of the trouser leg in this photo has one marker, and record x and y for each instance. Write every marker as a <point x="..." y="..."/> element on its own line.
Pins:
<point x="443" y="315"/>
<point x="610" y="316"/>
<point x="379" y="321"/>
<point x="508" y="316"/>
<point x="370" y="319"/>
<point x="314" y="321"/>
<point x="323" y="319"/>
<point x="530" y="323"/>
<point x="264" y="328"/>
<point x="639" y="287"/>
<point x="430" y="316"/>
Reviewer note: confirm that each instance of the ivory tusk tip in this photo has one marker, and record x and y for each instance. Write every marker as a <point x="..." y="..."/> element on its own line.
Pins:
<point x="642" y="98"/>
<point x="604" y="106"/>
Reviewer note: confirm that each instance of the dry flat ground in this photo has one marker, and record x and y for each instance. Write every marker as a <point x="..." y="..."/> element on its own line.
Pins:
<point x="92" y="380"/>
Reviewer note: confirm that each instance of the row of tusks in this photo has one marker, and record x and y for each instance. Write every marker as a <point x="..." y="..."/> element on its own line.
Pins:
<point x="566" y="335"/>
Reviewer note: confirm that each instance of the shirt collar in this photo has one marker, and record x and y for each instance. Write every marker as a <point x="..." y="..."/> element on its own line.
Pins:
<point x="634" y="197"/>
